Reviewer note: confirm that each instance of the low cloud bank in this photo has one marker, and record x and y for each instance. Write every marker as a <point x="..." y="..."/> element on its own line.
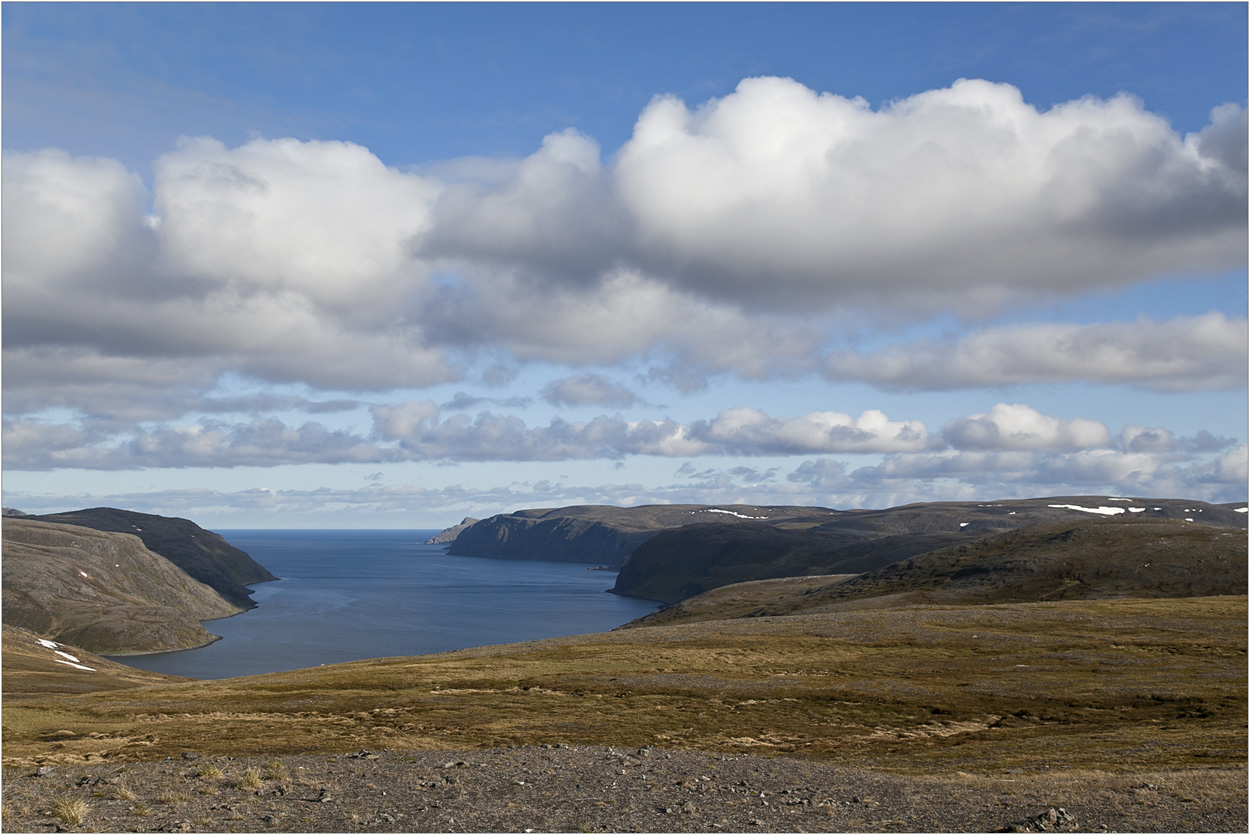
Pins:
<point x="1011" y="444"/>
<point x="901" y="479"/>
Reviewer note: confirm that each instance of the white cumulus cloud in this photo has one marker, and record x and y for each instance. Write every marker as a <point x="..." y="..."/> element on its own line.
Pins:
<point x="1019" y="427"/>
<point x="779" y="194"/>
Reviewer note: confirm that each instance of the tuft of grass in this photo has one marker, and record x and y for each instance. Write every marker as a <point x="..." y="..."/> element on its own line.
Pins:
<point x="275" y="770"/>
<point x="211" y="771"/>
<point x="116" y="791"/>
<point x="70" y="811"/>
<point x="251" y="779"/>
<point x="140" y="810"/>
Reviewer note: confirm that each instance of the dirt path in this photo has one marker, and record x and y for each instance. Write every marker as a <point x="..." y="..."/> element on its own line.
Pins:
<point x="579" y="788"/>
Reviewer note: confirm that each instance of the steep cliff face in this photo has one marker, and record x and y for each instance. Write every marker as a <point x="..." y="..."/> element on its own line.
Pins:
<point x="202" y="554"/>
<point x="604" y="534"/>
<point x="102" y="591"/>
<point x="562" y="539"/>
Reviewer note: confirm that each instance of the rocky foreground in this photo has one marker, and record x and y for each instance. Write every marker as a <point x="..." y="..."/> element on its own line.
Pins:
<point x="600" y="789"/>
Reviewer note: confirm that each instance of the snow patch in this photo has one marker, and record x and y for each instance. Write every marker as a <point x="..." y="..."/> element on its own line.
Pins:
<point x="67" y="655"/>
<point x="1102" y="511"/>
<point x="1240" y="509"/>
<point x="1114" y="499"/>
<point x="1136" y="510"/>
<point x="77" y="666"/>
<point x="732" y="513"/>
<point x="963" y="524"/>
<point x="44" y="642"/>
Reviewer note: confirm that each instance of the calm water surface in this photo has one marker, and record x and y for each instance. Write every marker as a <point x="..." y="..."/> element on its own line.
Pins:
<point x="348" y="595"/>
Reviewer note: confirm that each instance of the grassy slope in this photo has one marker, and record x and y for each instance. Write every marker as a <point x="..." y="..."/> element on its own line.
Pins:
<point x="1119" y="685"/>
<point x="102" y="591"/>
<point x="1088" y="558"/>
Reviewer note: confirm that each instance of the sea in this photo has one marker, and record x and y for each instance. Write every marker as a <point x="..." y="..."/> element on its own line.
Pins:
<point x="346" y="595"/>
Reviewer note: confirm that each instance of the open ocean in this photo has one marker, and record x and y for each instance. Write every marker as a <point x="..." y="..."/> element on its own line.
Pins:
<point x="345" y="595"/>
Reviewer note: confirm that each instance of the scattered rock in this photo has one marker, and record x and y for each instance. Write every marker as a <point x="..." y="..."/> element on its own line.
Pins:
<point x="1052" y="820"/>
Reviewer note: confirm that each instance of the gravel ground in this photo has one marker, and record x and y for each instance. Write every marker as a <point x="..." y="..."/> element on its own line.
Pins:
<point x="583" y="789"/>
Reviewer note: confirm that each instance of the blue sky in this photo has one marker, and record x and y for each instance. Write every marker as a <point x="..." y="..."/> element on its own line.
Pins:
<point x="390" y="265"/>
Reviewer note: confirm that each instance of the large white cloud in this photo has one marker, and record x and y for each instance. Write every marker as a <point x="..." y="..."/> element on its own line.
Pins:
<point x="780" y="196"/>
<point x="954" y="196"/>
<point x="280" y="259"/>
<point x="327" y="220"/>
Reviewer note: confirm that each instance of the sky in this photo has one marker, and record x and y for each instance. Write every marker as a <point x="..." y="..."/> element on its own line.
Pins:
<point x="393" y="265"/>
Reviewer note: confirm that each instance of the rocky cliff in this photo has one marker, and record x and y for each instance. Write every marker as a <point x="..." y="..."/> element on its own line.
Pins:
<point x="202" y="554"/>
<point x="102" y="591"/>
<point x="604" y="534"/>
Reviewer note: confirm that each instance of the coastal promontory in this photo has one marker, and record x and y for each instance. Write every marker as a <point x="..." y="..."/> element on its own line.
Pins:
<point x="202" y="554"/>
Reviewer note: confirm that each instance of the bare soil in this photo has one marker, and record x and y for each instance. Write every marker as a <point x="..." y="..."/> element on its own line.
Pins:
<point x="566" y="788"/>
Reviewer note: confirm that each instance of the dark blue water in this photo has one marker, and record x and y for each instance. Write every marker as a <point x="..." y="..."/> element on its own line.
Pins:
<point x="348" y="595"/>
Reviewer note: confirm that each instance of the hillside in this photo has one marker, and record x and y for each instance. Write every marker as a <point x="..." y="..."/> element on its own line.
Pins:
<point x="104" y="592"/>
<point x="35" y="666"/>
<point x="1094" y="558"/>
<point x="202" y="554"/>
<point x="673" y="552"/>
